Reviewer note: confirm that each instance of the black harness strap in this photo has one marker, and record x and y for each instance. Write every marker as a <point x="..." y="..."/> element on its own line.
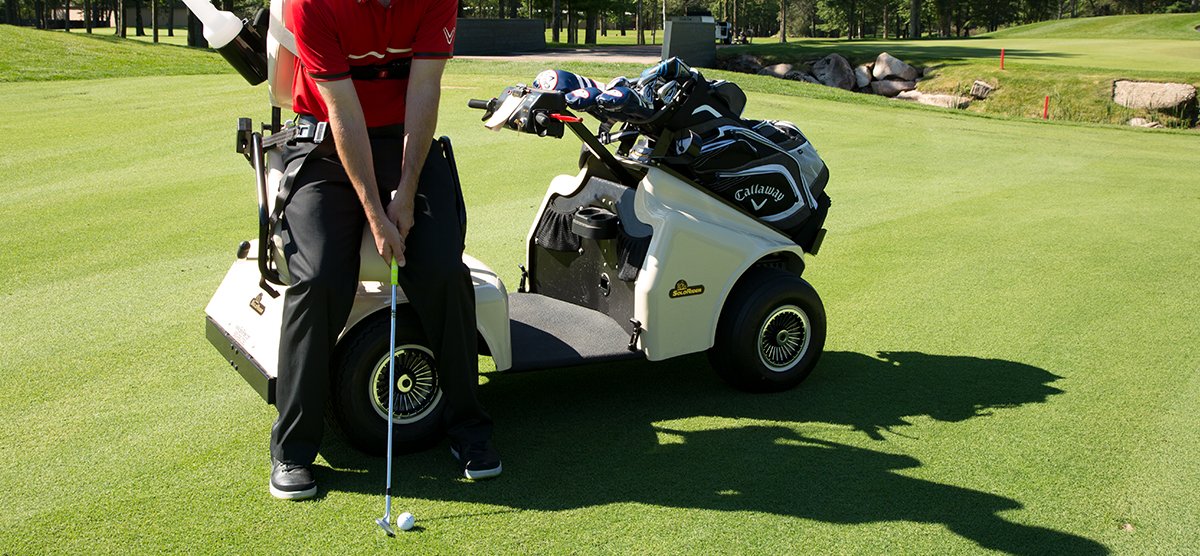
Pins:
<point x="317" y="151"/>
<point x="396" y="69"/>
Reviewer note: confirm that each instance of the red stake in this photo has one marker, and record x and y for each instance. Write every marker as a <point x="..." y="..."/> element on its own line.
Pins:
<point x="1046" y="109"/>
<point x="1001" y="58"/>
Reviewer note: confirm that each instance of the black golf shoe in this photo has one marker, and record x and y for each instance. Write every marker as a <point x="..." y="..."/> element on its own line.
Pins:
<point x="292" y="481"/>
<point x="478" y="460"/>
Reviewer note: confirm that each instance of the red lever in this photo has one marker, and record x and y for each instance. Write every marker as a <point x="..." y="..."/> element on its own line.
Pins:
<point x="563" y="118"/>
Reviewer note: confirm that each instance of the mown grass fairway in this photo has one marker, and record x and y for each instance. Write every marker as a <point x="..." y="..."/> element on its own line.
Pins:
<point x="38" y="55"/>
<point x="1011" y="364"/>
<point x="1160" y="26"/>
<point x="1155" y="55"/>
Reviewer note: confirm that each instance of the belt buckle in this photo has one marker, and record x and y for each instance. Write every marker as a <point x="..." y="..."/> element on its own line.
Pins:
<point x="308" y="133"/>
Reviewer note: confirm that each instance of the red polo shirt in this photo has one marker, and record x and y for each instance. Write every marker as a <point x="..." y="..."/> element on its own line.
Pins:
<point x="332" y="35"/>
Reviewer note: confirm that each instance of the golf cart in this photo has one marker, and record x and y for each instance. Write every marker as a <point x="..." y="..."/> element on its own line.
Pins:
<point x="626" y="259"/>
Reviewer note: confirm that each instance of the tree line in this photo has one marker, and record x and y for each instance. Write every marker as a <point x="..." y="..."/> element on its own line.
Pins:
<point x="758" y="18"/>
<point x="812" y="18"/>
<point x="89" y="14"/>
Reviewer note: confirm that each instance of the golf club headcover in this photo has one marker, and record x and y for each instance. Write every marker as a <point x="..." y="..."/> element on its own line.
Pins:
<point x="667" y="70"/>
<point x="624" y="104"/>
<point x="619" y="82"/>
<point x="583" y="99"/>
<point x="559" y="80"/>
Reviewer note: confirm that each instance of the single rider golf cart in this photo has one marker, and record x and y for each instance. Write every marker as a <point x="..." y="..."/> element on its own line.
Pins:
<point x="626" y="259"/>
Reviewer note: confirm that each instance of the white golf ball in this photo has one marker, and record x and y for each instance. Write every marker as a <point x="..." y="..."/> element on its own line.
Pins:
<point x="405" y="521"/>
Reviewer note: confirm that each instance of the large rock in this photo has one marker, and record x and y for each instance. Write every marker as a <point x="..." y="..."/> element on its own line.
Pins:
<point x="777" y="70"/>
<point x="862" y="76"/>
<point x="746" y="63"/>
<point x="801" y="76"/>
<point x="890" y="67"/>
<point x="891" y="88"/>
<point x="834" y="71"/>
<point x="944" y="101"/>
<point x="981" y="90"/>
<point x="1152" y="96"/>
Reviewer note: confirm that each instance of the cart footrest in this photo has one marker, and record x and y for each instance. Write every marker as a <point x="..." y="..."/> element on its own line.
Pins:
<point x="549" y="333"/>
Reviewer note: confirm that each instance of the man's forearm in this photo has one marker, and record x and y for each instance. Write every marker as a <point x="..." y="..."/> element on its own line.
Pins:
<point x="349" y="128"/>
<point x="420" y="121"/>
<point x="354" y="149"/>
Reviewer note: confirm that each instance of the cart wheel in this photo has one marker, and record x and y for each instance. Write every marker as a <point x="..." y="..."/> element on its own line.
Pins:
<point x="771" y="332"/>
<point x="358" y="401"/>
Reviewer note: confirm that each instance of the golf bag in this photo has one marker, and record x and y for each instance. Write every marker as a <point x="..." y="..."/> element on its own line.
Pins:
<point x="767" y="168"/>
<point x="694" y="126"/>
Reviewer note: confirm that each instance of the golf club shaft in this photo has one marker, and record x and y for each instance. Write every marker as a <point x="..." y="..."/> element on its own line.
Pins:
<point x="387" y="493"/>
<point x="391" y="390"/>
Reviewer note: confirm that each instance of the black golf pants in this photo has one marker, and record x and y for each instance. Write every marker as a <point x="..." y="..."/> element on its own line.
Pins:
<point x="323" y="224"/>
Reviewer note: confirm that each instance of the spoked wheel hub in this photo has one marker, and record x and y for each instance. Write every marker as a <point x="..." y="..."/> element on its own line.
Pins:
<point x="416" y="388"/>
<point x="783" y="338"/>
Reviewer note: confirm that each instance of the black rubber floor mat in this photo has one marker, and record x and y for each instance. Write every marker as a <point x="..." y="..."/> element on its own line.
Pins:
<point x="548" y="333"/>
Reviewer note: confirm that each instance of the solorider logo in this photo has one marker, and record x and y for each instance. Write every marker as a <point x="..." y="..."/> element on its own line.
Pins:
<point x="257" y="305"/>
<point x="682" y="289"/>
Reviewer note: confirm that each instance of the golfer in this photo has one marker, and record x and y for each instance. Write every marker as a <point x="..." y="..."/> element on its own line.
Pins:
<point x="372" y="69"/>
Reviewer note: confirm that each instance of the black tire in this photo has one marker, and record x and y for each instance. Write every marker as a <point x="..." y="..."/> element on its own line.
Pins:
<point x="771" y="332"/>
<point x="358" y="402"/>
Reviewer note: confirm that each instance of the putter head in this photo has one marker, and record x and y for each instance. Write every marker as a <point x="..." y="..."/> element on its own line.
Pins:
<point x="387" y="527"/>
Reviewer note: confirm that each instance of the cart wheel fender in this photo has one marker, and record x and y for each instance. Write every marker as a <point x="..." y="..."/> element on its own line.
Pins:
<point x="785" y="261"/>
<point x="771" y="332"/>
<point x="358" y="401"/>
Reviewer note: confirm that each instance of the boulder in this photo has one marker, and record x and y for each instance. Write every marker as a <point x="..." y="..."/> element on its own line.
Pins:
<point x="801" y="76"/>
<point x="890" y="67"/>
<point x="1152" y="96"/>
<point x="862" y="75"/>
<point x="777" y="70"/>
<point x="746" y="63"/>
<point x="891" y="88"/>
<point x="947" y="101"/>
<point x="981" y="90"/>
<point x="834" y="71"/>
<point x="944" y="101"/>
<point x="1142" y="122"/>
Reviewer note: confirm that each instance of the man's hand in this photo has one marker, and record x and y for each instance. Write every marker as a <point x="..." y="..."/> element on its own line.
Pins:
<point x="400" y="217"/>
<point x="389" y="242"/>
<point x="400" y="213"/>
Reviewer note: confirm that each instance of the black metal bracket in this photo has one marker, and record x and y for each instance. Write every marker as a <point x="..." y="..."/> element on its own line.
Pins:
<point x="601" y="153"/>
<point x="637" y="333"/>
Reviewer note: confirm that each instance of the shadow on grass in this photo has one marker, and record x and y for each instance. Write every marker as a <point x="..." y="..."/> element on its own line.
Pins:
<point x="628" y="433"/>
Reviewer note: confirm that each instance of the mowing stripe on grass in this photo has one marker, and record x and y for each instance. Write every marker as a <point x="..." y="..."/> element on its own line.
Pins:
<point x="1011" y="312"/>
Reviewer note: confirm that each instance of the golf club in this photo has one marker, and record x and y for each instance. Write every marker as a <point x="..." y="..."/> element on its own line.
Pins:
<point x="385" y="521"/>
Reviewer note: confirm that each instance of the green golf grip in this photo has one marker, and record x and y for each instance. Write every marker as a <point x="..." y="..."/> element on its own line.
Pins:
<point x="395" y="273"/>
